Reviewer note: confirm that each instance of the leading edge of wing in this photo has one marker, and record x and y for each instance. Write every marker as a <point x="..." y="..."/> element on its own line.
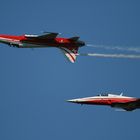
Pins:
<point x="46" y="35"/>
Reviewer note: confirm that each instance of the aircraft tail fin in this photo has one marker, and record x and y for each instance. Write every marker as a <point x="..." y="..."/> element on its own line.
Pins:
<point x="70" y="53"/>
<point x="75" y="38"/>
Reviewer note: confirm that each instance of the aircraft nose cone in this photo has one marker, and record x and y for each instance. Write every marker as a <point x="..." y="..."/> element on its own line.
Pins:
<point x="73" y="101"/>
<point x="76" y="101"/>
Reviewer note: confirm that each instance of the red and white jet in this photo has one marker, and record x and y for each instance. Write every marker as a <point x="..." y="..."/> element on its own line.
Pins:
<point x="116" y="101"/>
<point x="69" y="46"/>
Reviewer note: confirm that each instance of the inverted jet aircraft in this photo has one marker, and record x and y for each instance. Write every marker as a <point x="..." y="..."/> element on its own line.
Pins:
<point x="113" y="100"/>
<point x="69" y="46"/>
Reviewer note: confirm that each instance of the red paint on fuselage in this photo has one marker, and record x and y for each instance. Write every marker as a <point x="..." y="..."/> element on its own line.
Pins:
<point x="56" y="42"/>
<point x="13" y="37"/>
<point x="106" y="101"/>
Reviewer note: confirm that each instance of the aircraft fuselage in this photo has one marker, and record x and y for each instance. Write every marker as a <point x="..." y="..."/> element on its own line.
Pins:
<point x="25" y="41"/>
<point x="117" y="101"/>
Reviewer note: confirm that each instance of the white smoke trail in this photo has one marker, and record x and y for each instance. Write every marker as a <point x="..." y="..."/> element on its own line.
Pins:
<point x="131" y="56"/>
<point x="121" y="48"/>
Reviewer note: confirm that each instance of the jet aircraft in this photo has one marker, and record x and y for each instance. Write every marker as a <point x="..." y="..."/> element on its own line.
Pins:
<point x="113" y="100"/>
<point x="69" y="46"/>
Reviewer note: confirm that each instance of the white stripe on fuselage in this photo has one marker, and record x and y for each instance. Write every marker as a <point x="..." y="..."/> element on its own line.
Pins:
<point x="20" y="44"/>
<point x="8" y="40"/>
<point x="105" y="97"/>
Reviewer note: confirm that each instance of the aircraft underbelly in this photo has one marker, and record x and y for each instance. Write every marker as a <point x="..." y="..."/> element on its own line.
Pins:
<point x="28" y="45"/>
<point x="99" y="102"/>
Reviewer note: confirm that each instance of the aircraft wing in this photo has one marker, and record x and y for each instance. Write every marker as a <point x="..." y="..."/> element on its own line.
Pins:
<point x="47" y="35"/>
<point x="129" y="106"/>
<point x="70" y="53"/>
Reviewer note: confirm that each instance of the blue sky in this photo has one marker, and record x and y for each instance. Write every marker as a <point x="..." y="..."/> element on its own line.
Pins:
<point x="34" y="84"/>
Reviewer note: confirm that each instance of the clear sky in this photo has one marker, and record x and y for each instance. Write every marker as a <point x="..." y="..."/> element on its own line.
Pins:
<point x="34" y="84"/>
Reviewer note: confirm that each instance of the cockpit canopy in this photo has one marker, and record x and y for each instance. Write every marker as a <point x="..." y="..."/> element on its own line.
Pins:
<point x="108" y="94"/>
